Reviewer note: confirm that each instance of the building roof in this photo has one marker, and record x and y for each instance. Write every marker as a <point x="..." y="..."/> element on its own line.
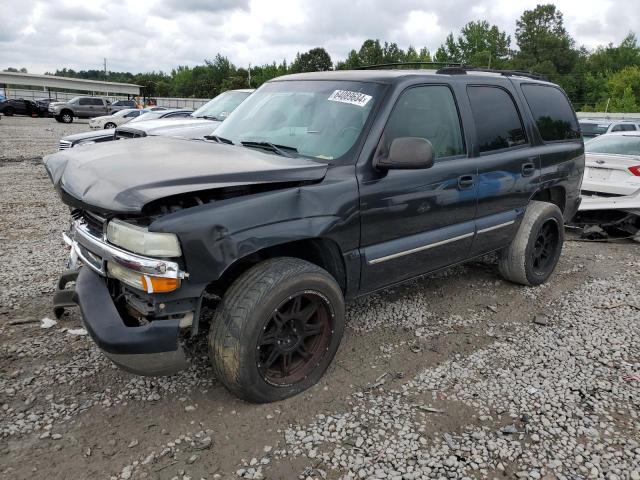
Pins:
<point x="80" y="84"/>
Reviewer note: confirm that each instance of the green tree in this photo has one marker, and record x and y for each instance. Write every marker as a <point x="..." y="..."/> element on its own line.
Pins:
<point x="371" y="53"/>
<point x="610" y="59"/>
<point x="315" y="60"/>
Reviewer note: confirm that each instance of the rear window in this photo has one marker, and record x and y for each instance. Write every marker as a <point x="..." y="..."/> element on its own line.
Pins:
<point x="614" y="144"/>
<point x="593" y="129"/>
<point x="495" y="132"/>
<point x="553" y="114"/>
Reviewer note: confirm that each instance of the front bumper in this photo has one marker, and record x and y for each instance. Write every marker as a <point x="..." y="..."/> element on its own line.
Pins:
<point x="151" y="349"/>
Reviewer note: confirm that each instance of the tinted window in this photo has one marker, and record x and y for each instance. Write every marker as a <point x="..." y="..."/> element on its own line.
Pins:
<point x="552" y="112"/>
<point x="427" y="112"/>
<point x="96" y="101"/>
<point x="85" y="101"/>
<point x="498" y="124"/>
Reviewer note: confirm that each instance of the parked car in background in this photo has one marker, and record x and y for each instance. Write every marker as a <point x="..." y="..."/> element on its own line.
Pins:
<point x="119" y="118"/>
<point x="79" y="107"/>
<point x="123" y="105"/>
<point x="158" y="114"/>
<point x="20" y="106"/>
<point x="611" y="185"/>
<point x="594" y="127"/>
<point x="195" y="125"/>
<point x="319" y="188"/>
<point x="612" y="165"/>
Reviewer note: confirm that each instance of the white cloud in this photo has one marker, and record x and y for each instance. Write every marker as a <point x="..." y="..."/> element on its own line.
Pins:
<point x="143" y="35"/>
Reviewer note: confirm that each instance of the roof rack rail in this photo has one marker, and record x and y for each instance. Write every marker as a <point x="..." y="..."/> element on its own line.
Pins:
<point x="464" y="69"/>
<point x="403" y="64"/>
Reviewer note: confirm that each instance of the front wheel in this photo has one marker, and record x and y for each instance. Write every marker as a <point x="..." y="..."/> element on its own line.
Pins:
<point x="534" y="252"/>
<point x="276" y="330"/>
<point x="66" y="117"/>
<point x="9" y="111"/>
<point x="109" y="125"/>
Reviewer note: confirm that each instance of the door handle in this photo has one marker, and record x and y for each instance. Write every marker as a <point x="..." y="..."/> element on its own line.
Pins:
<point x="528" y="169"/>
<point x="465" y="182"/>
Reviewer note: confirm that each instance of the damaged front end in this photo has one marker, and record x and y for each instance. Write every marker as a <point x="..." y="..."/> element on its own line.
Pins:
<point x="135" y="307"/>
<point x="614" y="215"/>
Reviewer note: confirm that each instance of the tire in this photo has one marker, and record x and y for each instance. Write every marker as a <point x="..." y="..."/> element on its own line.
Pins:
<point x="255" y="329"/>
<point x="534" y="252"/>
<point x="9" y="111"/>
<point x="66" y="116"/>
<point x="58" y="119"/>
<point x="109" y="125"/>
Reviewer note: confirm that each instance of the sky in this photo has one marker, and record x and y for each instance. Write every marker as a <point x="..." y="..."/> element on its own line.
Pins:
<point x="146" y="35"/>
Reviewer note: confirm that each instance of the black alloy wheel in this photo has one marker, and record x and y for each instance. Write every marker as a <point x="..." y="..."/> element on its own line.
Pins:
<point x="294" y="339"/>
<point x="543" y="253"/>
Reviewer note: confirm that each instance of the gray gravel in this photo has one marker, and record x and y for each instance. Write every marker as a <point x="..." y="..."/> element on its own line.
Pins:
<point x="557" y="401"/>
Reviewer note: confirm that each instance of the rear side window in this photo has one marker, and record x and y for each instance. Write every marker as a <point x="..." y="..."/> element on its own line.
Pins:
<point x="552" y="112"/>
<point x="85" y="101"/>
<point x="498" y="124"/>
<point x="96" y="101"/>
<point x="428" y="112"/>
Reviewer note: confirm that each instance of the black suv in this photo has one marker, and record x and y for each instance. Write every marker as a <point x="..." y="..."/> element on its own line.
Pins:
<point x="20" y="106"/>
<point x="320" y="187"/>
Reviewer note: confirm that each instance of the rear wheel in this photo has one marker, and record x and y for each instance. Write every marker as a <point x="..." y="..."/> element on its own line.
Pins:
<point x="276" y="330"/>
<point x="534" y="252"/>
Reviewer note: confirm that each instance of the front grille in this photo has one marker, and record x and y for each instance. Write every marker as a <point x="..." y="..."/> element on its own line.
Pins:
<point x="64" y="145"/>
<point x="94" y="222"/>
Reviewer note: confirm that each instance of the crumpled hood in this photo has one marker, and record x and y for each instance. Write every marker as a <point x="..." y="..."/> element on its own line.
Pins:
<point x="123" y="176"/>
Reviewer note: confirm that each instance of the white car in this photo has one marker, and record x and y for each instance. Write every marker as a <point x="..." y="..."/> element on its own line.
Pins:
<point x="612" y="164"/>
<point x="119" y="118"/>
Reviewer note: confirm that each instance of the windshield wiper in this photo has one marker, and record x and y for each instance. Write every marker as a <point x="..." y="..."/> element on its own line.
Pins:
<point x="218" y="139"/>
<point x="283" y="150"/>
<point x="209" y="117"/>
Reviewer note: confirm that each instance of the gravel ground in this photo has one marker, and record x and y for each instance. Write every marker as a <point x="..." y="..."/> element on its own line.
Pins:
<point x="458" y="375"/>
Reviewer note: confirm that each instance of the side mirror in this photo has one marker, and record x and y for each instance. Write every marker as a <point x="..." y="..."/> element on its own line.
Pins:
<point x="408" y="153"/>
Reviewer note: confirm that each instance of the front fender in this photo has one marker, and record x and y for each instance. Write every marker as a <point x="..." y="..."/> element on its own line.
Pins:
<point x="215" y="235"/>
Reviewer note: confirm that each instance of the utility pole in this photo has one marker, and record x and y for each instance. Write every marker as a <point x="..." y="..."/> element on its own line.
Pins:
<point x="249" y="71"/>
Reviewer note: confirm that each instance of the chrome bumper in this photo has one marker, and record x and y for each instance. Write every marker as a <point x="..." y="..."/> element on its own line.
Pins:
<point x="94" y="252"/>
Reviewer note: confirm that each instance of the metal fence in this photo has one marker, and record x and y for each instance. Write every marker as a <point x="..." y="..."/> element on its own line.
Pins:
<point x="27" y="94"/>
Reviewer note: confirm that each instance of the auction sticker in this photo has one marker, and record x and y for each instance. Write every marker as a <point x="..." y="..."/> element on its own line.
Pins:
<point x="347" y="96"/>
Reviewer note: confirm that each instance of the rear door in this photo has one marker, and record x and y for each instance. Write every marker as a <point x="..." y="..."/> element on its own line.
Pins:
<point x="508" y="166"/>
<point x="416" y="221"/>
<point x="98" y="107"/>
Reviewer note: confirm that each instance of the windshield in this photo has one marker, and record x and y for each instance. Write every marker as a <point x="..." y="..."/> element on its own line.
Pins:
<point x="221" y="106"/>
<point x="593" y="129"/>
<point x="614" y="144"/>
<point x="320" y="119"/>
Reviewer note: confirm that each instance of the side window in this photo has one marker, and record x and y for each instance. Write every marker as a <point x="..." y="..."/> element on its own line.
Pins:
<point x="498" y="124"/>
<point x="85" y="101"/>
<point x="552" y="112"/>
<point x="427" y="112"/>
<point x="97" y="101"/>
<point x="132" y="114"/>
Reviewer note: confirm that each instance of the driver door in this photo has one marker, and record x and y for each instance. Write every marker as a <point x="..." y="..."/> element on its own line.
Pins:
<point x="416" y="221"/>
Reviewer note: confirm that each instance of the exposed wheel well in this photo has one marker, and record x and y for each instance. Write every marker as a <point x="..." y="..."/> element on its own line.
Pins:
<point x="320" y="251"/>
<point x="555" y="195"/>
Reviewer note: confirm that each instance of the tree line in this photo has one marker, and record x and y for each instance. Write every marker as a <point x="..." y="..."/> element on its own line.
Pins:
<point x="607" y="78"/>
